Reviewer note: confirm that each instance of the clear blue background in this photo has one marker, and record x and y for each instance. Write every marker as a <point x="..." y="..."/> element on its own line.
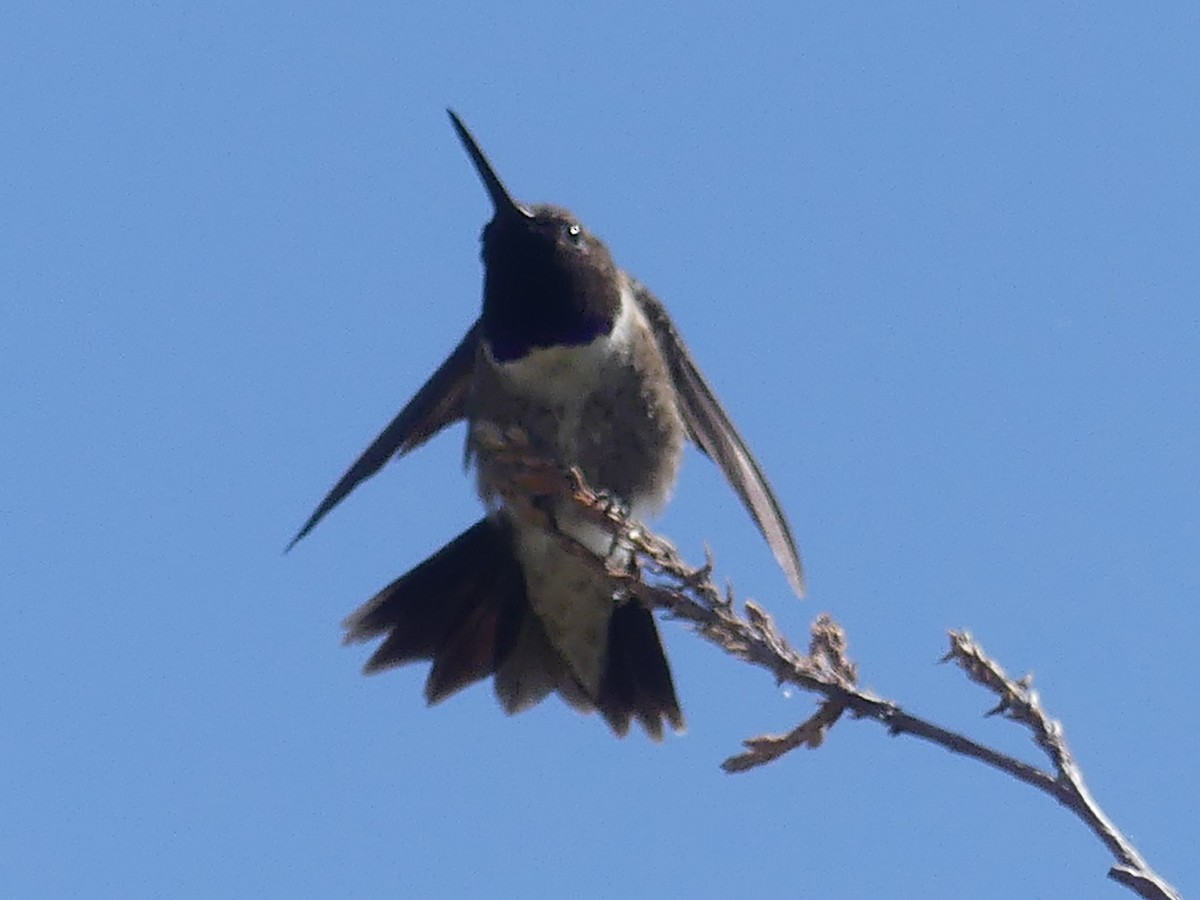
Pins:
<point x="940" y="263"/>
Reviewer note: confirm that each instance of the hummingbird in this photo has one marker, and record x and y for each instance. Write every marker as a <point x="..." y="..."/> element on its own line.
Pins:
<point x="584" y="361"/>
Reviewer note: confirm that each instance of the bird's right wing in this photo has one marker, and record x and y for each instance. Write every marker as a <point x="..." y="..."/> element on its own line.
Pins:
<point x="439" y="403"/>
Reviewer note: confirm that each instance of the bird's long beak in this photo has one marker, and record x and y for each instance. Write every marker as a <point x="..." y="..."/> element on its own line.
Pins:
<point x="501" y="199"/>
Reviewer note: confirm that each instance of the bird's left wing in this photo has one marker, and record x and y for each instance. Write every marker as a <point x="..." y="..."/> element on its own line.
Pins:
<point x="713" y="432"/>
<point x="439" y="403"/>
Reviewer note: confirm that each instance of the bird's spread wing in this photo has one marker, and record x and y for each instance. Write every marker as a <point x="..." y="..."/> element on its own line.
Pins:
<point x="713" y="433"/>
<point x="440" y="402"/>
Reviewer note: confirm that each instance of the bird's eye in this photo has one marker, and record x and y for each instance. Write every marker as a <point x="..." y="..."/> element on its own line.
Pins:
<point x="573" y="234"/>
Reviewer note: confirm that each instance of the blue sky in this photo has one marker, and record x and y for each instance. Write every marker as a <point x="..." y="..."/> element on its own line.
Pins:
<point x="939" y="262"/>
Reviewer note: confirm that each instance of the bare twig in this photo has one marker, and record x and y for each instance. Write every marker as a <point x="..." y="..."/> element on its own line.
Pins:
<point x="688" y="593"/>
<point x="1019" y="702"/>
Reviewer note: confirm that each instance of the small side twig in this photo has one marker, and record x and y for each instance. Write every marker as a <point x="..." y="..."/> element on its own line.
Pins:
<point x="1019" y="702"/>
<point x="688" y="593"/>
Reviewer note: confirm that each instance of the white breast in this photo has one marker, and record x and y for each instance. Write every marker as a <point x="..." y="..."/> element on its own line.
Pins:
<point x="561" y="374"/>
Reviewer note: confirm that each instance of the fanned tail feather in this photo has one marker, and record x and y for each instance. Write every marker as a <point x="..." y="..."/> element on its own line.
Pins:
<point x="465" y="608"/>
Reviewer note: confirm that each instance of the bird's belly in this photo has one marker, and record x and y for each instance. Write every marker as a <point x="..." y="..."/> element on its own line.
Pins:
<point x="624" y="435"/>
<point x="627" y="440"/>
<point x="609" y="409"/>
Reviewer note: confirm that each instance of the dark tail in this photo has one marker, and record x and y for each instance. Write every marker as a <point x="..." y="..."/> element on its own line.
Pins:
<point x="637" y="680"/>
<point x="465" y="608"/>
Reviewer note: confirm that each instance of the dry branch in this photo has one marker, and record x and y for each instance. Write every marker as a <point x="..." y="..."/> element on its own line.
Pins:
<point x="688" y="593"/>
